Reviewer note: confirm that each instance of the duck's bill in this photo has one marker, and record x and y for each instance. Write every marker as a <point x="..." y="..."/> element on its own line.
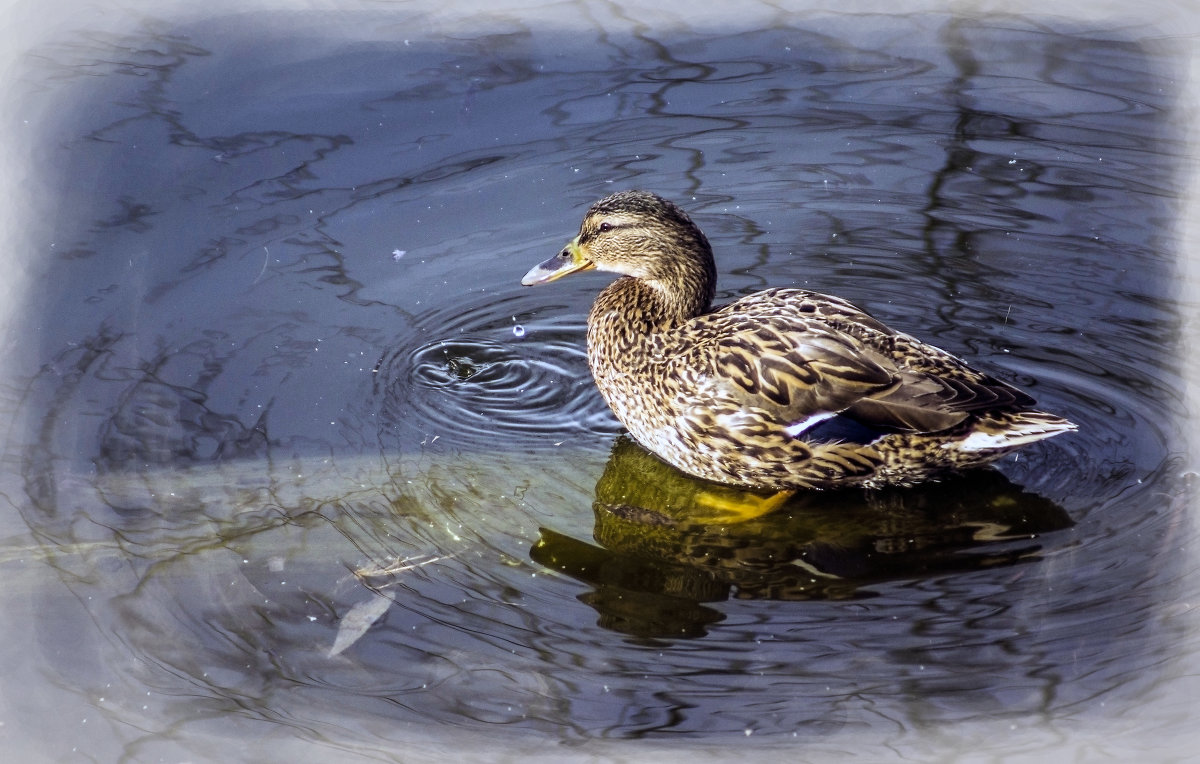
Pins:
<point x="568" y="261"/>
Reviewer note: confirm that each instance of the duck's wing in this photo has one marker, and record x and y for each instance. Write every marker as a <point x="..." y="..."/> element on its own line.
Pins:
<point x="806" y="358"/>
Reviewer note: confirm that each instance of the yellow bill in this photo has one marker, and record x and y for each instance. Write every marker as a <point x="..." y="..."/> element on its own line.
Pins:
<point x="570" y="260"/>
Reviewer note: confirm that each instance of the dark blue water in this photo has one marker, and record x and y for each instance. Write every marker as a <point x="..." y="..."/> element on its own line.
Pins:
<point x="276" y="365"/>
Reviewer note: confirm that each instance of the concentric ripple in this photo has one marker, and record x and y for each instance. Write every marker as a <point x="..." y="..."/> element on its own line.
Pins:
<point x="496" y="371"/>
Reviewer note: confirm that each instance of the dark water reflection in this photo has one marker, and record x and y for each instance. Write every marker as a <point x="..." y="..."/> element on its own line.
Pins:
<point x="670" y="542"/>
<point x="298" y="454"/>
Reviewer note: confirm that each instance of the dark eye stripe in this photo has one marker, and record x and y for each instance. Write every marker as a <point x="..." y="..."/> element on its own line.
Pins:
<point x="603" y="226"/>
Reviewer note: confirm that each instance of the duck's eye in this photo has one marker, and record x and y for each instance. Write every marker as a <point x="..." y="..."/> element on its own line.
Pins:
<point x="604" y="227"/>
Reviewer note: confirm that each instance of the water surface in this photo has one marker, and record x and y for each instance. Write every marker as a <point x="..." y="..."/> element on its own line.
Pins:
<point x="300" y="466"/>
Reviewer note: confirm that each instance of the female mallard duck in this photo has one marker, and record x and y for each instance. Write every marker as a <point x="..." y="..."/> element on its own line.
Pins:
<point x="783" y="389"/>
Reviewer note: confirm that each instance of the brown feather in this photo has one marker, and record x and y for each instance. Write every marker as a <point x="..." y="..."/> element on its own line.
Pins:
<point x="729" y="394"/>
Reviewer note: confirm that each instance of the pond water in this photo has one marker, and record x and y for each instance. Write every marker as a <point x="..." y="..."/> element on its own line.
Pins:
<point x="295" y="469"/>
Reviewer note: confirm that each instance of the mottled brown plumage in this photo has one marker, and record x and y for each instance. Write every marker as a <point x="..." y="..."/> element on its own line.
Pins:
<point x="782" y="389"/>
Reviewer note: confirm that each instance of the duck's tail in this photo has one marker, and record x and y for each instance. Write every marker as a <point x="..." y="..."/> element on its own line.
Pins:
<point x="1007" y="431"/>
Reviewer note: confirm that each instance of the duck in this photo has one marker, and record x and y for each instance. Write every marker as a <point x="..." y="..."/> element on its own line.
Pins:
<point x="781" y="390"/>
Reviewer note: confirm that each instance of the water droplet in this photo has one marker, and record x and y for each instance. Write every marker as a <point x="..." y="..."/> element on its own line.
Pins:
<point x="518" y="331"/>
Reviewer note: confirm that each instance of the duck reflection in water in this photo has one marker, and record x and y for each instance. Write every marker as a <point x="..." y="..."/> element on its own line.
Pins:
<point x="665" y="547"/>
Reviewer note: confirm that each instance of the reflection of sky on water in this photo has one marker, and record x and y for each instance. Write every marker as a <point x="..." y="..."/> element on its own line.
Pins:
<point x="233" y="395"/>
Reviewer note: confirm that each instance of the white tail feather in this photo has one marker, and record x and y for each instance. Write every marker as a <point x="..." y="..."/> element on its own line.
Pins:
<point x="1027" y="427"/>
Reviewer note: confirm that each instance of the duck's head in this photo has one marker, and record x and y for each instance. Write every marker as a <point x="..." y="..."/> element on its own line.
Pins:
<point x="638" y="234"/>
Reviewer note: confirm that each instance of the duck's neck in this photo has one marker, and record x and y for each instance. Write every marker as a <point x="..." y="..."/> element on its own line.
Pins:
<point x="683" y="290"/>
<point x="630" y="310"/>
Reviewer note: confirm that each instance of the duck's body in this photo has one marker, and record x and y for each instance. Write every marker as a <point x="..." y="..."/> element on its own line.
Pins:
<point x="782" y="389"/>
